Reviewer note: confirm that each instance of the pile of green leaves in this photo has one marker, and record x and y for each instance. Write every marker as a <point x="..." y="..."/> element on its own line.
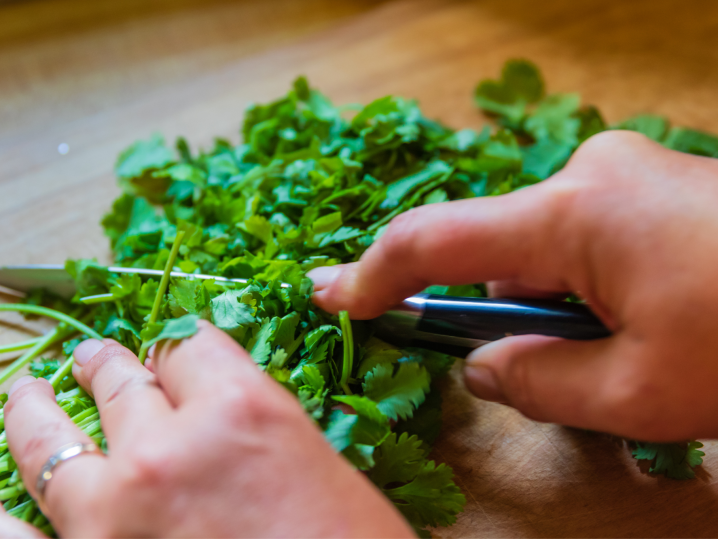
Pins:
<point x="313" y="184"/>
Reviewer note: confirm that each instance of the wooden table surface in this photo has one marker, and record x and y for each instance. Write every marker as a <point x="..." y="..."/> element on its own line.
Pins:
<point x="97" y="75"/>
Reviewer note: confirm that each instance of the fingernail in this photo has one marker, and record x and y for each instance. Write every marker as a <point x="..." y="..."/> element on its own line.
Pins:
<point x="324" y="277"/>
<point x="151" y="352"/>
<point x="21" y="382"/>
<point x="86" y="350"/>
<point x="482" y="382"/>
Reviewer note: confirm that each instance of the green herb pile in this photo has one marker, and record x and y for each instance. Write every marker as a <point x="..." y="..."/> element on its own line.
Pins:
<point x="312" y="185"/>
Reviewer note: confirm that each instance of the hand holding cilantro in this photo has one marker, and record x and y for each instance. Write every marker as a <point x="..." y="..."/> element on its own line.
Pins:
<point x="208" y="452"/>
<point x="629" y="226"/>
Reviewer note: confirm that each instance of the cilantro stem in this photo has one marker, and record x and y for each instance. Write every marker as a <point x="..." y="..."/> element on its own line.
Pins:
<point x="75" y="392"/>
<point x="60" y="373"/>
<point x="12" y="492"/>
<point x="51" y="313"/>
<point x="45" y="342"/>
<point x="99" y="298"/>
<point x="348" y="340"/>
<point x="162" y="289"/>
<point x="14" y="347"/>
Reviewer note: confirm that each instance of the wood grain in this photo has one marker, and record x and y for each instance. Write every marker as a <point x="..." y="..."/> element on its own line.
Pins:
<point x="101" y="80"/>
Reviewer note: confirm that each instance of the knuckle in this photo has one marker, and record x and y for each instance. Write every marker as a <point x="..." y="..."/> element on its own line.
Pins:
<point x="398" y="240"/>
<point x="573" y="208"/>
<point x="565" y="196"/>
<point x="128" y="386"/>
<point x="638" y="404"/>
<point x="109" y="354"/>
<point x="250" y="409"/>
<point x="148" y="467"/>
<point x="608" y="155"/>
<point x="609" y="145"/>
<point x="29" y="391"/>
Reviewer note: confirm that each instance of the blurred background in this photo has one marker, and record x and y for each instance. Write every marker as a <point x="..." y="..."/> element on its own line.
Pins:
<point x="62" y="60"/>
<point x="82" y="79"/>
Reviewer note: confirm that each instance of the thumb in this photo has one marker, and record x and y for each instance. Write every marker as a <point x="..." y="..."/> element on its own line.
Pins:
<point x="551" y="379"/>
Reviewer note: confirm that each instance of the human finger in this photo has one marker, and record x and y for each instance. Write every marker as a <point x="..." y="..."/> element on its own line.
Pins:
<point x="513" y="289"/>
<point x="523" y="236"/>
<point x="36" y="429"/>
<point x="127" y="395"/>
<point x="203" y="365"/>
<point x="11" y="527"/>
<point x="598" y="385"/>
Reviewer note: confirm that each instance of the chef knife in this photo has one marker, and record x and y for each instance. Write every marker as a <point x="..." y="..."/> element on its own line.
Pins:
<point x="447" y="324"/>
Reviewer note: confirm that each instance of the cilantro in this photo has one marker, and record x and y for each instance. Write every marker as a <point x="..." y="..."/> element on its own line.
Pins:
<point x="426" y="421"/>
<point x="520" y="84"/>
<point x="357" y="434"/>
<point x="397" y="393"/>
<point x="135" y="166"/>
<point x="423" y="492"/>
<point x="229" y="313"/>
<point x="674" y="460"/>
<point x="398" y="461"/>
<point x="431" y="498"/>
<point x="348" y="351"/>
<point x="262" y="347"/>
<point x="173" y="329"/>
<point x="44" y="368"/>
<point x="654" y="127"/>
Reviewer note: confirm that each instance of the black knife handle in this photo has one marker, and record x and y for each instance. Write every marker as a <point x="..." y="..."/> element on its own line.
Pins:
<point x="457" y="325"/>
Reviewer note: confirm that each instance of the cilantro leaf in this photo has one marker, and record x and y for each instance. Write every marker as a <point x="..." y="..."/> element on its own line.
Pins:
<point x="190" y="297"/>
<point x="368" y="426"/>
<point x="676" y="461"/>
<point x="171" y="329"/>
<point x="431" y="498"/>
<point x="397" y="394"/>
<point x="426" y="421"/>
<point x="654" y="127"/>
<point x="520" y="84"/>
<point x="231" y="314"/>
<point x="398" y="191"/>
<point x="554" y="119"/>
<point x="44" y="368"/>
<point x="135" y="165"/>
<point x="398" y="460"/>
<point x="692" y="141"/>
<point x="261" y="345"/>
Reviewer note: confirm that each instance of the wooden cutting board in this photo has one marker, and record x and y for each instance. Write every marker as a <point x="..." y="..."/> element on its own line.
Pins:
<point x="96" y="77"/>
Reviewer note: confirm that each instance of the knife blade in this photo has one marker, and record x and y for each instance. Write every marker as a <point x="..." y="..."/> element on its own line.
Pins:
<point x="54" y="278"/>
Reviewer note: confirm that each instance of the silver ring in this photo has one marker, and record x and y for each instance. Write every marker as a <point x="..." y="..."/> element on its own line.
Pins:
<point x="65" y="453"/>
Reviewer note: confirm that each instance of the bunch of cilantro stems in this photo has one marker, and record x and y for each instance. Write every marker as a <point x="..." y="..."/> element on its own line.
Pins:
<point x="313" y="184"/>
